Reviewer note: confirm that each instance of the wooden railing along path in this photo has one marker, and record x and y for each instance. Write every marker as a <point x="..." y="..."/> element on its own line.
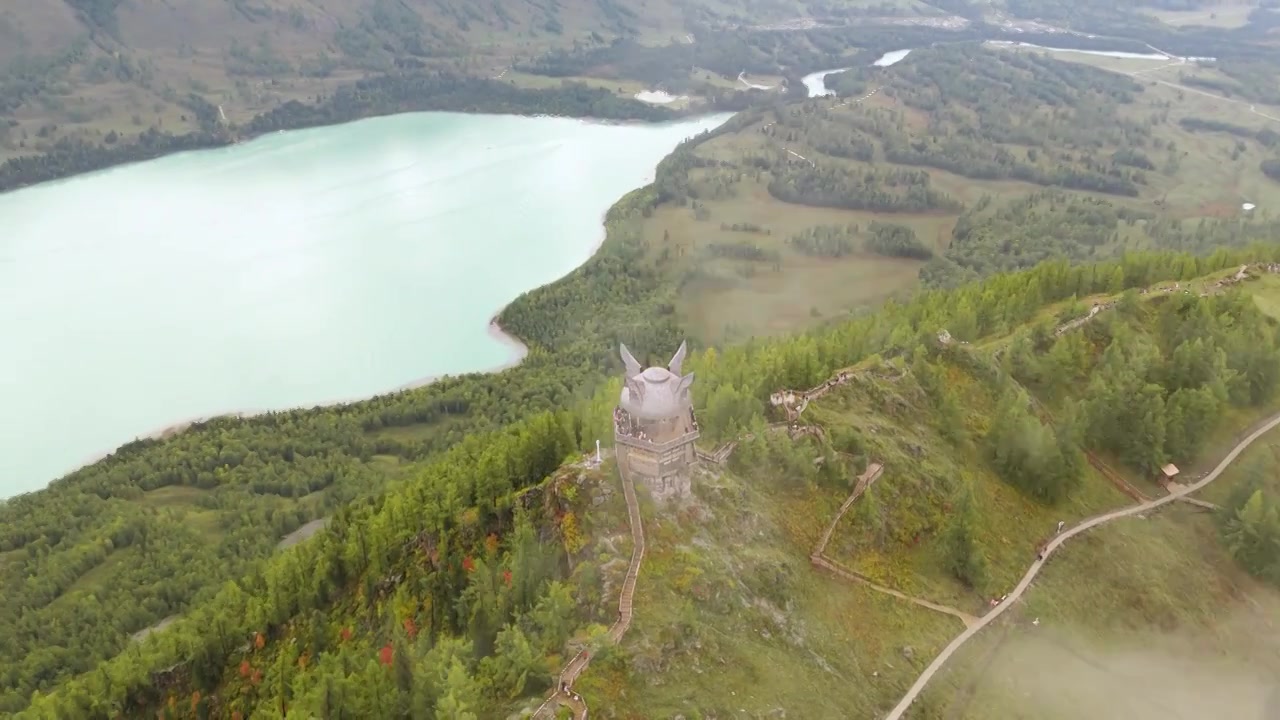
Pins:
<point x="870" y="475"/>
<point x="563" y="693"/>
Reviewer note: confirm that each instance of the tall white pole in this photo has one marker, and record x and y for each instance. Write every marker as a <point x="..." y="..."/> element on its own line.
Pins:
<point x="597" y="451"/>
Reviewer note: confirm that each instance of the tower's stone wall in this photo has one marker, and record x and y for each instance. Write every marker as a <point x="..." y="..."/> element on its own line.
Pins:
<point x="654" y="426"/>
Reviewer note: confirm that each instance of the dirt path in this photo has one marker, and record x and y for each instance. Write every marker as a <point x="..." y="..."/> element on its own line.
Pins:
<point x="1053" y="545"/>
<point x="564" y="693"/>
<point x="844" y="572"/>
<point x="818" y="558"/>
<point x="864" y="481"/>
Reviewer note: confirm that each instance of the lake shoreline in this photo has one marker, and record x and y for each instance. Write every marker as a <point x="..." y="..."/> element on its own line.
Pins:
<point x="492" y="97"/>
<point x="287" y="117"/>
<point x="519" y="347"/>
<point x="253" y="137"/>
<point x="494" y="329"/>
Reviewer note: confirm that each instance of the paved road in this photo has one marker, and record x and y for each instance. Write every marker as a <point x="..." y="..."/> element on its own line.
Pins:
<point x="938" y="662"/>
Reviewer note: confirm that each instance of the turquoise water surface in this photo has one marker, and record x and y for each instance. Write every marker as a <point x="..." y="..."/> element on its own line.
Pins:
<point x="301" y="268"/>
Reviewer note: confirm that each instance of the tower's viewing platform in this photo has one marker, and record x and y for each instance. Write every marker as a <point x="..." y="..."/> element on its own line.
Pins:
<point x="654" y="424"/>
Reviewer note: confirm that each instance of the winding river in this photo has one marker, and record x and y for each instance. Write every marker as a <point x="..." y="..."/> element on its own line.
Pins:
<point x="816" y="84"/>
<point x="298" y="269"/>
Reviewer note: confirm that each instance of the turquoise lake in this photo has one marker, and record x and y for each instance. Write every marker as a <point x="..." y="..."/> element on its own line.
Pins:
<point x="301" y="268"/>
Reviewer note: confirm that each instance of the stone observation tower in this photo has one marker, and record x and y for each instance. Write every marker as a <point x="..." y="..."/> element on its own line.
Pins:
<point x="654" y="427"/>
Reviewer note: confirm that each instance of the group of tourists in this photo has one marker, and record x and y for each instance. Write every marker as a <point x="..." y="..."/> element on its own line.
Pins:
<point x="624" y="424"/>
<point x="627" y="426"/>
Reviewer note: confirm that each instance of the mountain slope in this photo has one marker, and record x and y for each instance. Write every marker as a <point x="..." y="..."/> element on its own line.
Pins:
<point x="464" y="588"/>
<point x="104" y="65"/>
<point x="84" y="68"/>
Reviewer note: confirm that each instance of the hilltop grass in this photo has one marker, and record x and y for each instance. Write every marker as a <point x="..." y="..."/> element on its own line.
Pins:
<point x="1147" y="617"/>
<point x="917" y="458"/>
<point x="1261" y="458"/>
<point x="731" y="618"/>
<point x="1266" y="295"/>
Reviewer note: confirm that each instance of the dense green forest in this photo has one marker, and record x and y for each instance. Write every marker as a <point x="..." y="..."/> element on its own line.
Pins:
<point x="369" y="547"/>
<point x="1266" y="136"/>
<point x="1147" y="382"/>
<point x="989" y="115"/>
<point x="834" y="241"/>
<point x="258" y="479"/>
<point x="1053" y="224"/>
<point x="1168" y="370"/>
<point x="879" y="189"/>
<point x="441" y="583"/>
<point x="1250" y="524"/>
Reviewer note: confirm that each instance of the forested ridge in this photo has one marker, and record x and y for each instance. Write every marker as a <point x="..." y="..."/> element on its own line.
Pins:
<point x="250" y="481"/>
<point x="1147" y="381"/>
<point x="381" y="95"/>
<point x="1102" y="146"/>
<point x="424" y="542"/>
<point x="1051" y="224"/>
<point x="989" y="115"/>
<point x="410" y="64"/>
<point x="170" y="527"/>
<point x="572" y="325"/>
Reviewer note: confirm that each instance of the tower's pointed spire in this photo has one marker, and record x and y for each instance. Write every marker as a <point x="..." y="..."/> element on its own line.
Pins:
<point x="686" y="382"/>
<point x="678" y="359"/>
<point x="629" y="361"/>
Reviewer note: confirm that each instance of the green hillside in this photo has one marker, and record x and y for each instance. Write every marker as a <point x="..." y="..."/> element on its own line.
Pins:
<point x="89" y="83"/>
<point x="708" y="251"/>
<point x="964" y="161"/>
<point x="798" y="216"/>
<point x="453" y="552"/>
<point x="103" y="71"/>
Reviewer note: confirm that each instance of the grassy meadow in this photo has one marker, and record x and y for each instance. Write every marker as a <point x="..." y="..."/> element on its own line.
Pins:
<point x="729" y="298"/>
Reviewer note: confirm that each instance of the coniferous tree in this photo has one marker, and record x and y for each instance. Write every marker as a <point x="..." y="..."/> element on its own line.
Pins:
<point x="963" y="554"/>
